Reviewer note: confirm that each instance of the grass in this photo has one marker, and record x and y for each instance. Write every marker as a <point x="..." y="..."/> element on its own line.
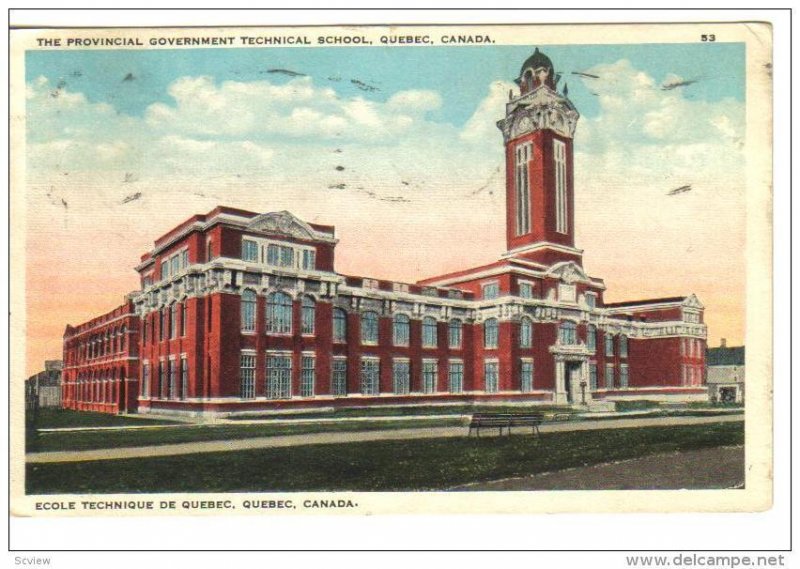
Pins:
<point x="421" y="464"/>
<point x="194" y="433"/>
<point x="406" y="410"/>
<point x="637" y="405"/>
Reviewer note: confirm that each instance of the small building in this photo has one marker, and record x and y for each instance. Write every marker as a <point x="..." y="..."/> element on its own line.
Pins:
<point x="45" y="387"/>
<point x="725" y="373"/>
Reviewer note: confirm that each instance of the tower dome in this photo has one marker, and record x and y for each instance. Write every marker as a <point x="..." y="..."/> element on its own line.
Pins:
<point x="537" y="70"/>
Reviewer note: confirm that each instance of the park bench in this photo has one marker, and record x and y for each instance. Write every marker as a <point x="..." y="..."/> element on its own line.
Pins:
<point x="506" y="421"/>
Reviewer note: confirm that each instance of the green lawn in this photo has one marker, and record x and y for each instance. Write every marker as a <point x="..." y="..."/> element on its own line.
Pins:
<point x="193" y="433"/>
<point x="422" y="464"/>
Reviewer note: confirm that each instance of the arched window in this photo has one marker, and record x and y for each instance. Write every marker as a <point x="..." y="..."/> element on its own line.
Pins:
<point x="454" y="333"/>
<point x="526" y="333"/>
<point x="429" y="335"/>
<point x="248" y="311"/>
<point x="308" y="314"/>
<point x="279" y="313"/>
<point x="591" y="338"/>
<point x="369" y="328"/>
<point x="567" y="334"/>
<point x="339" y="325"/>
<point x="400" y="330"/>
<point x="490" y="333"/>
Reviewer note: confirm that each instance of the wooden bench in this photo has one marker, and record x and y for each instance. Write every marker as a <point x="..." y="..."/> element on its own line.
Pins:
<point x="506" y="421"/>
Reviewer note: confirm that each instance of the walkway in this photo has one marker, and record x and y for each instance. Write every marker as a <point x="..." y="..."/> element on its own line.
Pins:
<point x="700" y="469"/>
<point x="349" y="437"/>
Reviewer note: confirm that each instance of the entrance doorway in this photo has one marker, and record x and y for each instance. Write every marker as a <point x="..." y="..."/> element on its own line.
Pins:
<point x="572" y="380"/>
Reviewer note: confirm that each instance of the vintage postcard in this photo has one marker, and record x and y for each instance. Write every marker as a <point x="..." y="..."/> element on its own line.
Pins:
<point x="365" y="270"/>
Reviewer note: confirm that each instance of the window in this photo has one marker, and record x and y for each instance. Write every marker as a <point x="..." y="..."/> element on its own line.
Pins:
<point x="369" y="328"/>
<point x="429" y="376"/>
<point x="248" y="311"/>
<point x="307" y="315"/>
<point x="161" y="380"/>
<point x="173" y="265"/>
<point x="279" y="313"/>
<point x="247" y="375"/>
<point x="560" y="157"/>
<point x="623" y="346"/>
<point x="173" y="321"/>
<point x="162" y="329"/>
<point x="490" y="374"/>
<point x="591" y="300"/>
<point x="609" y="376"/>
<point x="609" y="345"/>
<point x="454" y="333"/>
<point x="370" y="372"/>
<point x="490" y="333"/>
<point x="401" y="372"/>
<point x="591" y="338"/>
<point x="429" y="334"/>
<point x="171" y="388"/>
<point x="369" y="283"/>
<point x="209" y="250"/>
<point x="339" y="325"/>
<point x="526" y="290"/>
<point x="525" y="332"/>
<point x="164" y="270"/>
<point x="400" y="330"/>
<point x="307" y="376"/>
<point x="526" y="376"/>
<point x="184" y="377"/>
<point x="339" y="377"/>
<point x="491" y="290"/>
<point x="455" y="377"/>
<point x="567" y="334"/>
<point x="249" y="250"/>
<point x="145" y="388"/>
<point x="184" y="258"/>
<point x="623" y="376"/>
<point x="287" y="257"/>
<point x="184" y="316"/>
<point x="279" y="377"/>
<point x="523" y="191"/>
<point x="309" y="259"/>
<point x="400" y="287"/>
<point x="592" y="376"/>
<point x="273" y="255"/>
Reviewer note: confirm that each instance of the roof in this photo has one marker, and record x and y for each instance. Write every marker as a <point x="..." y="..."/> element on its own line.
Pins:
<point x="733" y="356"/>
<point x="666" y="300"/>
<point x="538" y="59"/>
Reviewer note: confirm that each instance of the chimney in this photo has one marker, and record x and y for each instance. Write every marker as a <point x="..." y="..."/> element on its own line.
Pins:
<point x="723" y="343"/>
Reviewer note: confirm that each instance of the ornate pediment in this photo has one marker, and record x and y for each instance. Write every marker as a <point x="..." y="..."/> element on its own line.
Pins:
<point x="285" y="223"/>
<point x="692" y="301"/>
<point x="568" y="272"/>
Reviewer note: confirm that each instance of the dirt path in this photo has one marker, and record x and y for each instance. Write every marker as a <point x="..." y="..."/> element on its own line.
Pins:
<point x="721" y="467"/>
<point x="347" y="437"/>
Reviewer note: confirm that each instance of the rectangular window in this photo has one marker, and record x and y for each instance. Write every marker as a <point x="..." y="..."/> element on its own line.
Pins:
<point x="370" y="374"/>
<point x="491" y="290"/>
<point x="429" y="376"/>
<point x="592" y="376"/>
<point x="526" y="290"/>
<point x="560" y="157"/>
<point x="609" y="376"/>
<point x="184" y="378"/>
<point x="309" y="259"/>
<point x="523" y="194"/>
<point x="623" y="346"/>
<point x="455" y="378"/>
<point x="287" y="257"/>
<point x="279" y="377"/>
<point x="273" y="255"/>
<point x="249" y="250"/>
<point x="164" y="270"/>
<point x="145" y="388"/>
<point x="526" y="376"/>
<point x="339" y="377"/>
<point x="454" y="331"/>
<point x="247" y="375"/>
<point x="369" y="283"/>
<point x="490" y="374"/>
<point x="339" y="325"/>
<point x="591" y="338"/>
<point x="184" y="316"/>
<point x="161" y="385"/>
<point x="184" y="258"/>
<point x="429" y="333"/>
<point x="172" y="391"/>
<point x="591" y="300"/>
<point x="174" y="267"/>
<point x="401" y="377"/>
<point x="307" y="374"/>
<point x="173" y="321"/>
<point x="609" y="345"/>
<point x="623" y="376"/>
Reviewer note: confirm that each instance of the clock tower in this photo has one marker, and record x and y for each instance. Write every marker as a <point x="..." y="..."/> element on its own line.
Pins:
<point x="537" y="131"/>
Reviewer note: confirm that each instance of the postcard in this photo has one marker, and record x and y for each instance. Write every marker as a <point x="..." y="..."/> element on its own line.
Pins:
<point x="391" y="269"/>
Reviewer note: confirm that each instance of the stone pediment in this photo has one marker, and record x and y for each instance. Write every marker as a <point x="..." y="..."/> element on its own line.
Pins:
<point x="568" y="272"/>
<point x="692" y="301"/>
<point x="285" y="223"/>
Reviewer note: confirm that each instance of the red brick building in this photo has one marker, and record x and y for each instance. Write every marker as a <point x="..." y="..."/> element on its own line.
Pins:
<point x="240" y="311"/>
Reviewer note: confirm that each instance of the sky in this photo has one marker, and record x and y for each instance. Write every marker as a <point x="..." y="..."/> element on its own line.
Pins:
<point x="396" y="146"/>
